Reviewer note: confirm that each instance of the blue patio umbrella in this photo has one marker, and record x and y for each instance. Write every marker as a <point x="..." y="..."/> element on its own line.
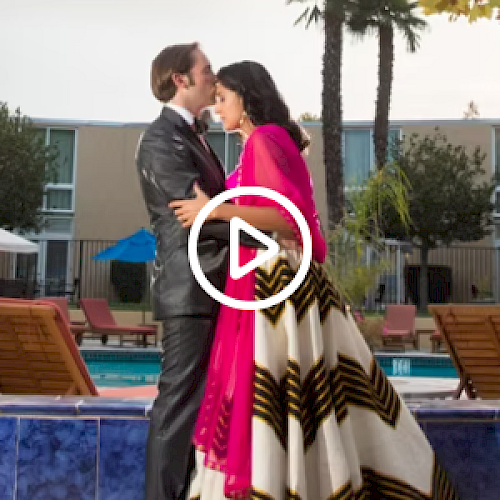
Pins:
<point x="138" y="247"/>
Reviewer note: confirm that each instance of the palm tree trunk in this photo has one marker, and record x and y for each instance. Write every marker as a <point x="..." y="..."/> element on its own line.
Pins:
<point x="385" y="61"/>
<point x="332" y="116"/>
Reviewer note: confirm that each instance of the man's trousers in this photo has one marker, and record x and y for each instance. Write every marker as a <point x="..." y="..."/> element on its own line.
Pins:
<point x="169" y="451"/>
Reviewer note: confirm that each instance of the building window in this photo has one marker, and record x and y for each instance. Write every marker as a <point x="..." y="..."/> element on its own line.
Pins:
<point x="59" y="196"/>
<point x="227" y="147"/>
<point x="217" y="141"/>
<point x="497" y="151"/>
<point x="359" y="154"/>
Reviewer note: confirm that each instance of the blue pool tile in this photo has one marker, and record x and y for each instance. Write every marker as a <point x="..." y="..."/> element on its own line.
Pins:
<point x="441" y="414"/>
<point x="470" y="453"/>
<point x="43" y="405"/>
<point x="113" y="406"/>
<point x="122" y="459"/>
<point x="8" y="434"/>
<point x="57" y="459"/>
<point x="440" y="410"/>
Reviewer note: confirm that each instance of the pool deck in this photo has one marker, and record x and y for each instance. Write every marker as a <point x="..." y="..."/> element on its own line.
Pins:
<point x="408" y="388"/>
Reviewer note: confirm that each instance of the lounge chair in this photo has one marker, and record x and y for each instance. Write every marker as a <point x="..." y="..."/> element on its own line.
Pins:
<point x="38" y="354"/>
<point x="101" y="321"/>
<point x="399" y="325"/>
<point x="471" y="334"/>
<point x="78" y="328"/>
<point x="436" y="341"/>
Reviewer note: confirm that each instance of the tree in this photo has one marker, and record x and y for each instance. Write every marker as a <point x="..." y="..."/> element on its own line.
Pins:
<point x="448" y="201"/>
<point x="383" y="17"/>
<point x="309" y="117"/>
<point x="360" y="228"/>
<point x="472" y="9"/>
<point x="472" y="111"/>
<point x="332" y="14"/>
<point x="26" y="165"/>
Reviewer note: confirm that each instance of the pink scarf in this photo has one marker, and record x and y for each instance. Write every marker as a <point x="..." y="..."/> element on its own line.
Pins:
<point x="223" y="428"/>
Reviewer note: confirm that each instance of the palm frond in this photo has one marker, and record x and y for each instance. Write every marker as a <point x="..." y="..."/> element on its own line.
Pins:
<point x="360" y="229"/>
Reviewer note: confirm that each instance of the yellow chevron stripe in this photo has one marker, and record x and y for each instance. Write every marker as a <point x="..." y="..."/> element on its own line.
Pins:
<point x="260" y="495"/>
<point x="315" y="286"/>
<point x="381" y="486"/>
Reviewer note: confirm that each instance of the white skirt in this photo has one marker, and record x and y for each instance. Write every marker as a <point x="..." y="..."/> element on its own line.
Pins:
<point x="327" y="423"/>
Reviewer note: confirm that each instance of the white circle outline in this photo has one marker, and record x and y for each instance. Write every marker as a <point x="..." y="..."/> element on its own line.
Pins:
<point x="249" y="305"/>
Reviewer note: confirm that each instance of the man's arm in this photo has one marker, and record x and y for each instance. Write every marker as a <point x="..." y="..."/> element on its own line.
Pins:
<point x="219" y="230"/>
<point x="167" y="170"/>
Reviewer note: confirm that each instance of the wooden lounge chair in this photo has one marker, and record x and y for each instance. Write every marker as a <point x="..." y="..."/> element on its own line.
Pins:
<point x="78" y="328"/>
<point x="101" y="321"/>
<point x="436" y="341"/>
<point x="38" y="354"/>
<point x="399" y="325"/>
<point x="471" y="334"/>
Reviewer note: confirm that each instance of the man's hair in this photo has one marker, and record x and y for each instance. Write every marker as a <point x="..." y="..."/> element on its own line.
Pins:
<point x="172" y="59"/>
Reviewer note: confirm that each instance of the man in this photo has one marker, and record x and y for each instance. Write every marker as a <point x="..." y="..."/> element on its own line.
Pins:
<point x="171" y="158"/>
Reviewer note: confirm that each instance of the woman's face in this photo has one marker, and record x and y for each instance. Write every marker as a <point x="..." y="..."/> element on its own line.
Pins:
<point x="229" y="106"/>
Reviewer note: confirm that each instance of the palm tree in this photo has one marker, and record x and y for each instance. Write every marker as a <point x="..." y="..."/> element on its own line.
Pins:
<point x="332" y="13"/>
<point x="384" y="17"/>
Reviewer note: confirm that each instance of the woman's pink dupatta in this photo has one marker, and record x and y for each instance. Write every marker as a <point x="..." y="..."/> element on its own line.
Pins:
<point x="223" y="428"/>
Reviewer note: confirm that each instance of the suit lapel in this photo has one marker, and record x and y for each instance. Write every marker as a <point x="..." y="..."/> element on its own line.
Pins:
<point x="208" y="159"/>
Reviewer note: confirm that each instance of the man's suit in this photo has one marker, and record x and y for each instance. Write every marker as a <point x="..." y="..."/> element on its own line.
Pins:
<point x="170" y="158"/>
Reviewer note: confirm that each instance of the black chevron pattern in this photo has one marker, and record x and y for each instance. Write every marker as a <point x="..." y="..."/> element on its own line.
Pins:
<point x="260" y="495"/>
<point x="441" y="487"/>
<point x="351" y="385"/>
<point x="314" y="400"/>
<point x="268" y="403"/>
<point x="316" y="287"/>
<point x="377" y="486"/>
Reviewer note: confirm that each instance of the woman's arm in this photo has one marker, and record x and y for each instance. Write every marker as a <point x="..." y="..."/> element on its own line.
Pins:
<point x="263" y="218"/>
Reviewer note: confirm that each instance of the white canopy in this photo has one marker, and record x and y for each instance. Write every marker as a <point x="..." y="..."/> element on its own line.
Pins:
<point x="10" y="242"/>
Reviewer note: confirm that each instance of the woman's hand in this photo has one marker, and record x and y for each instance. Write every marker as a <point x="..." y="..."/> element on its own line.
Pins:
<point x="187" y="210"/>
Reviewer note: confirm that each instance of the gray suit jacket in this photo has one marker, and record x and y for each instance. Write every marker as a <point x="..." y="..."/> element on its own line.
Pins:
<point x="170" y="158"/>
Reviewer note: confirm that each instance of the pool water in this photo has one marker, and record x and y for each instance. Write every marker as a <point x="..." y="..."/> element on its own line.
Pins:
<point x="122" y="374"/>
<point x="121" y="369"/>
<point x="412" y="365"/>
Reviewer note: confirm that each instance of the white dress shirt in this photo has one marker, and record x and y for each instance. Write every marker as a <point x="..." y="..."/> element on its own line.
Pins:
<point x="189" y="118"/>
<point x="187" y="115"/>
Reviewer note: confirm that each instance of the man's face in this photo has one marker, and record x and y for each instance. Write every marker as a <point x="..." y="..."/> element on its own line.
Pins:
<point x="201" y="91"/>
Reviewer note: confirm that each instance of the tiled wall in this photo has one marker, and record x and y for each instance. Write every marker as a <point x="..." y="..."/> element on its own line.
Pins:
<point x="465" y="436"/>
<point x="72" y="449"/>
<point x="93" y="448"/>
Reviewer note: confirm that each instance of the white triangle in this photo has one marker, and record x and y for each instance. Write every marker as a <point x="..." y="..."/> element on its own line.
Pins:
<point x="235" y="226"/>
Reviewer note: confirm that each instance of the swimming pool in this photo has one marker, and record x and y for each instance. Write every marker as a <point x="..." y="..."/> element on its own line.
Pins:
<point x="129" y="367"/>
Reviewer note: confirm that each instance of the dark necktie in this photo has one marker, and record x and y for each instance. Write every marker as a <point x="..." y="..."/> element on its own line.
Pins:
<point x="199" y="127"/>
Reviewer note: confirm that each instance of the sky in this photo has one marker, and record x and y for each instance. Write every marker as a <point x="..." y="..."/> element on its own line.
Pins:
<point x="90" y="59"/>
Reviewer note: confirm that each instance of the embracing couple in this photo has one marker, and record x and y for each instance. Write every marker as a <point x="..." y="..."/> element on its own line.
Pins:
<point x="283" y="403"/>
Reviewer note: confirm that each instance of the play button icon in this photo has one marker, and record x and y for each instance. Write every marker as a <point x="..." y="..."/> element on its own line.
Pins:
<point x="235" y="226"/>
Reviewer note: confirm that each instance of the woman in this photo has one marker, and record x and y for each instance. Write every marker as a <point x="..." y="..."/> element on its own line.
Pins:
<point x="295" y="405"/>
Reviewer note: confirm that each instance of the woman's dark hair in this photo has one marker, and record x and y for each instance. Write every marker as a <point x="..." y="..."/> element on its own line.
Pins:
<point x="261" y="100"/>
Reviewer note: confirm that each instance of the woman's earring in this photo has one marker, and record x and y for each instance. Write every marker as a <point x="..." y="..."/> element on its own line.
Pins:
<point x="243" y="118"/>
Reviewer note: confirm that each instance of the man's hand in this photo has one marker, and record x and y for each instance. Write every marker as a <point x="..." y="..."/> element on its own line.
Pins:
<point x="187" y="210"/>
